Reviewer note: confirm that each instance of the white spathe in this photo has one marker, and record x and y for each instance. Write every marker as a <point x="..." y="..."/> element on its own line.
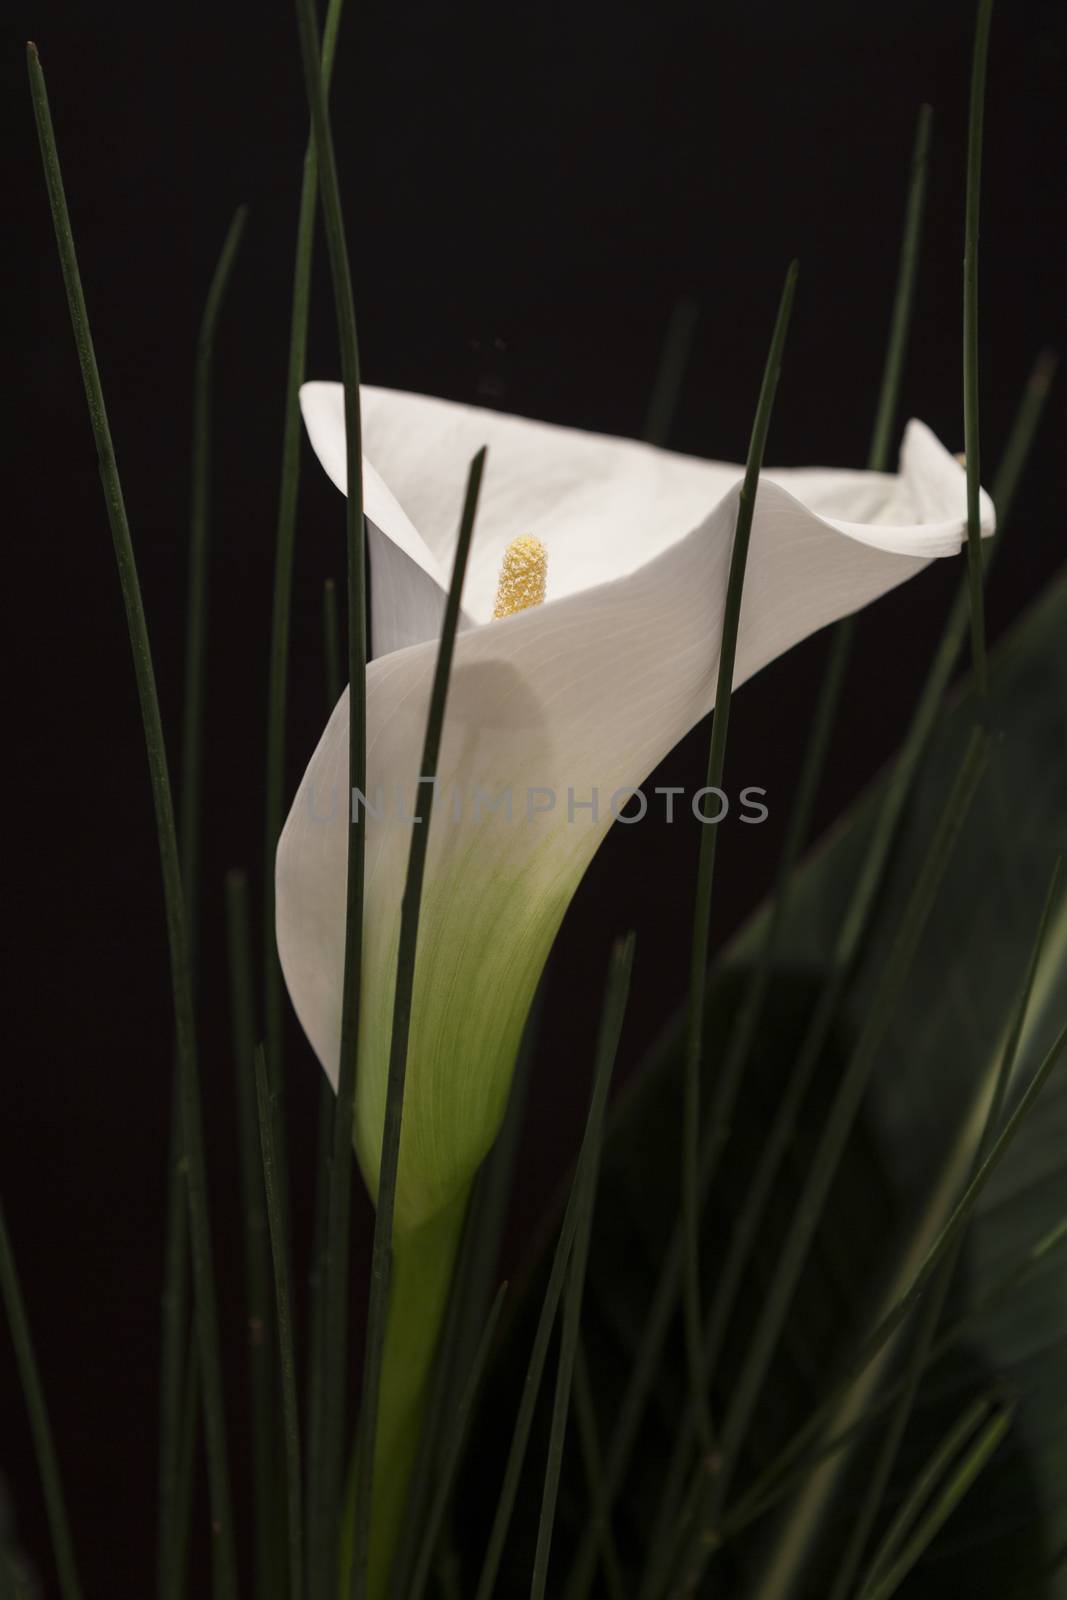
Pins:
<point x="586" y="693"/>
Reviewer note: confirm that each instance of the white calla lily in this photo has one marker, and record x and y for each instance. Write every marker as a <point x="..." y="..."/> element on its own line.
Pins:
<point x="556" y="714"/>
<point x="580" y="697"/>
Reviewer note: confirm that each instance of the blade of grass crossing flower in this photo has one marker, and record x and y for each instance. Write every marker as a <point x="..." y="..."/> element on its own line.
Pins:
<point x="706" y="864"/>
<point x="283" y="1300"/>
<point x="405" y="978"/>
<point x="888" y="1578"/>
<point x="332" y="1421"/>
<point x="457" y="1433"/>
<point x="607" y="1048"/>
<point x="260" y="1320"/>
<point x="41" y="1428"/>
<point x="618" y="989"/>
<point x="797" y="1243"/>
<point x="673" y="360"/>
<point x="971" y="434"/>
<point x="192" y="1133"/>
<point x="930" y="1312"/>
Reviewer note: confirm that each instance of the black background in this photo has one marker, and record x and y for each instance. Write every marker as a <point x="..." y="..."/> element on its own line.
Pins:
<point x="528" y="190"/>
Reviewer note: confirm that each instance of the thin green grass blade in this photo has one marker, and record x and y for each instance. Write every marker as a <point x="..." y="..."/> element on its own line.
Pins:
<point x="618" y="989"/>
<point x="331" y="629"/>
<point x="929" y="1317"/>
<point x="176" y="1336"/>
<point x="331" y="1424"/>
<point x="797" y="1244"/>
<point x="453" y="1450"/>
<point x="607" y="1049"/>
<point x="971" y="433"/>
<point x="887" y="1578"/>
<point x="285" y="538"/>
<point x="176" y="1575"/>
<point x="283" y="1301"/>
<point x="43" y="1443"/>
<point x="732" y="1072"/>
<point x="706" y="864"/>
<point x="262" y="1349"/>
<point x="155" y="746"/>
<point x="673" y="360"/>
<point x="381" y="1257"/>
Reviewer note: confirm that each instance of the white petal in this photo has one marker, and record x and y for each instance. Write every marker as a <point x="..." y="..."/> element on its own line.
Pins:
<point x="604" y="506"/>
<point x="588" y="693"/>
<point x="409" y="586"/>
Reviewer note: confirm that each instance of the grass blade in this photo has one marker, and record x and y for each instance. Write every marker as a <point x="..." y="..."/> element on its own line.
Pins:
<point x="614" y="1008"/>
<point x="261" y="1346"/>
<point x="175" y="1303"/>
<point x="592" y="1457"/>
<point x="797" y="1244"/>
<point x="41" y="1428"/>
<point x="331" y="634"/>
<point x="181" y="978"/>
<point x="888" y="1576"/>
<point x="706" y="865"/>
<point x="288" y="491"/>
<point x="381" y="1258"/>
<point x="879" y="1475"/>
<point x="971" y="435"/>
<point x="332" y="1422"/>
<point x="283" y="1301"/>
<point x="453" y="1450"/>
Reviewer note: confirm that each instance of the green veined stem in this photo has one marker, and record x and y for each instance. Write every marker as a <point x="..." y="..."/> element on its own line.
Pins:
<point x="41" y="1428"/>
<point x="698" y="967"/>
<point x="381" y="1256"/>
<point x="614" y="1006"/>
<point x="155" y="748"/>
<point x="673" y="360"/>
<point x="283" y="1301"/>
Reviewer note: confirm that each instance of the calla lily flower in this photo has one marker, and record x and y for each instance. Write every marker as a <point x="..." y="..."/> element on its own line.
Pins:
<point x="565" y="707"/>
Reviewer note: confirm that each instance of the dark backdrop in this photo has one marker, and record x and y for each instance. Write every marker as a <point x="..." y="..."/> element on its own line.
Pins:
<point x="529" y="190"/>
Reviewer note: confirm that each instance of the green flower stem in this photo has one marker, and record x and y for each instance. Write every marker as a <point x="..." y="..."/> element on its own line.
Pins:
<point x="694" y="1047"/>
<point x="41" y="1428"/>
<point x="377" y="1361"/>
<point x="155" y="746"/>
